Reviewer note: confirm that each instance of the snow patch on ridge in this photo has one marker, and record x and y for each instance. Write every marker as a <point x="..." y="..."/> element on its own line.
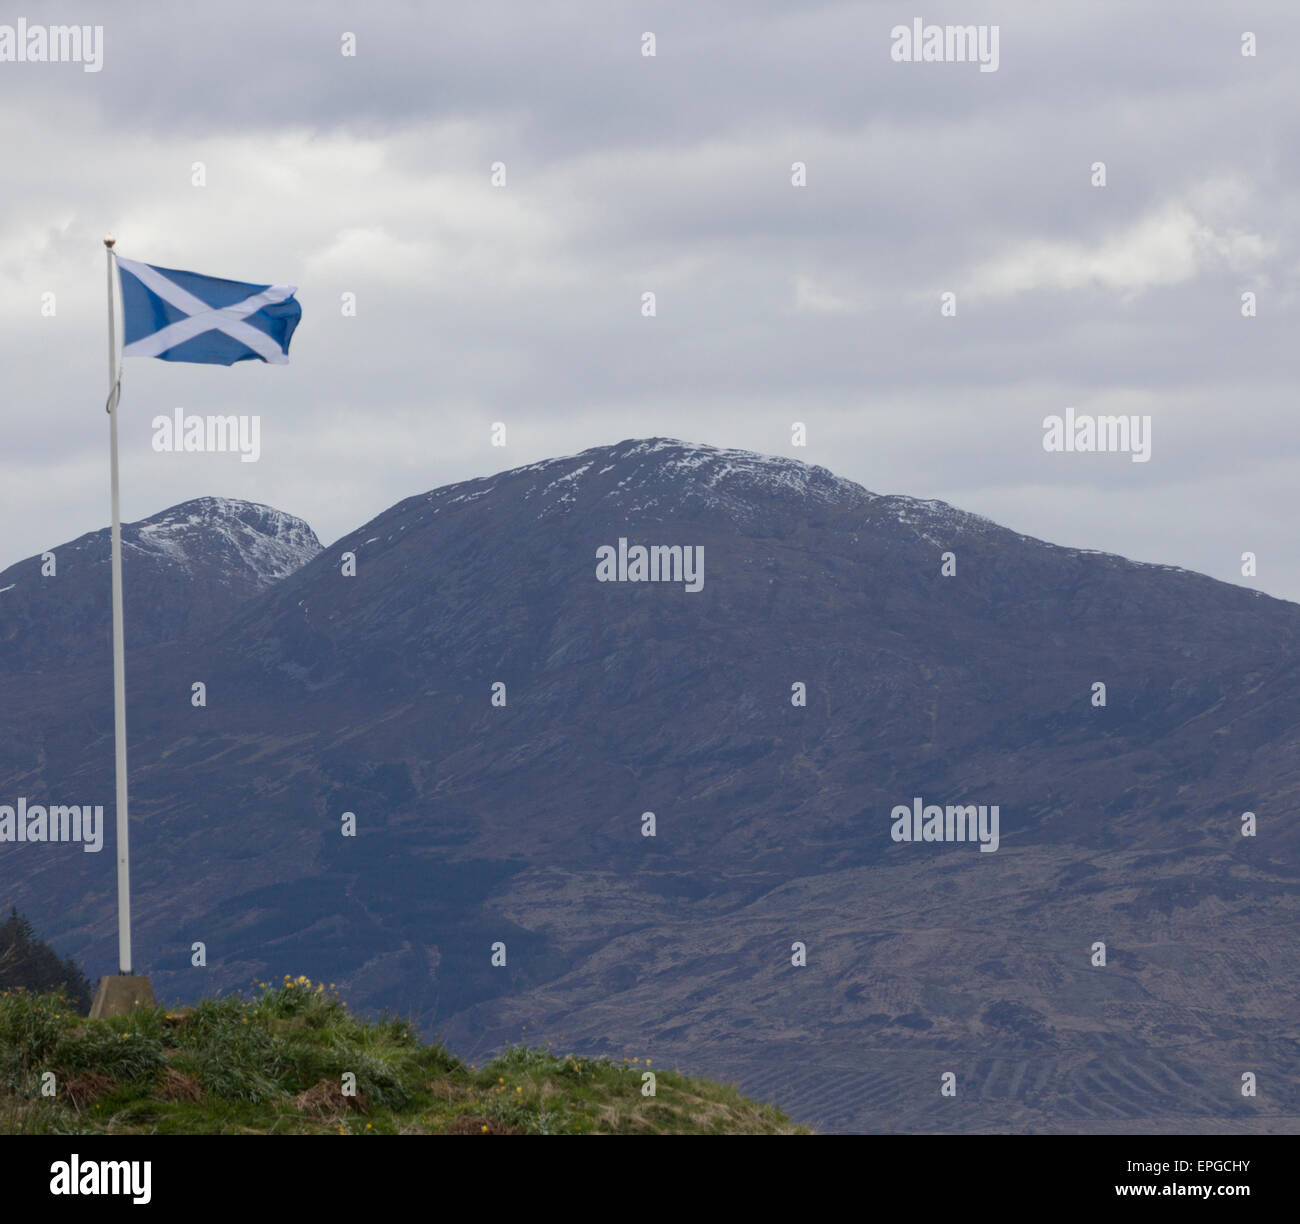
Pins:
<point x="260" y="539"/>
<point x="656" y="472"/>
<point x="664" y="474"/>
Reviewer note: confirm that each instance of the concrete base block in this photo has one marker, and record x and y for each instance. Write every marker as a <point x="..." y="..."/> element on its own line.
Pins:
<point x="117" y="996"/>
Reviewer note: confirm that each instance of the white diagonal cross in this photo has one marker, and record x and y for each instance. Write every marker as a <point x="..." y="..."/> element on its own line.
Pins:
<point x="202" y="317"/>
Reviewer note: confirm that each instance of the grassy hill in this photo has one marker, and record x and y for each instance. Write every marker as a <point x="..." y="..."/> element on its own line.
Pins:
<point x="275" y="1063"/>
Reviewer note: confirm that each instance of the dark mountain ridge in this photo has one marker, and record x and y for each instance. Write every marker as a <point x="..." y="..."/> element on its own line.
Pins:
<point x="479" y="823"/>
<point x="183" y="569"/>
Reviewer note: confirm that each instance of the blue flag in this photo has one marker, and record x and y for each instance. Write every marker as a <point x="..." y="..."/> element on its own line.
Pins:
<point x="182" y="316"/>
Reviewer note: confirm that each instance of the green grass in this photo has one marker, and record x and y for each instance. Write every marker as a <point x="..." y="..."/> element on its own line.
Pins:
<point x="275" y="1062"/>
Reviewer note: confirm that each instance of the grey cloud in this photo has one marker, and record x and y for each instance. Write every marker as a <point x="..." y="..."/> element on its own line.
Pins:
<point x="671" y="175"/>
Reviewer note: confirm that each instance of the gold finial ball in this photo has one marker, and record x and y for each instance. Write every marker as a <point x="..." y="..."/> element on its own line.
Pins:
<point x="109" y="240"/>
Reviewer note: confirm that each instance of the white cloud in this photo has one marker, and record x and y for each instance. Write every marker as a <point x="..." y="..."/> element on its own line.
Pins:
<point x="1172" y="244"/>
<point x="813" y="298"/>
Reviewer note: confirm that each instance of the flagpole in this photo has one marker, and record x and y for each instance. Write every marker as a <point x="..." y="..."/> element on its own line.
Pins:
<point x="119" y="650"/>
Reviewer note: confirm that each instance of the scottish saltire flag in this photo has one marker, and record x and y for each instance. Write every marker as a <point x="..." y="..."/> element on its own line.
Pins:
<point x="182" y="316"/>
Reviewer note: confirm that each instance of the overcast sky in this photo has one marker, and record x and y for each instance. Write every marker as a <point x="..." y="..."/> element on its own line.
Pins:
<point x="625" y="174"/>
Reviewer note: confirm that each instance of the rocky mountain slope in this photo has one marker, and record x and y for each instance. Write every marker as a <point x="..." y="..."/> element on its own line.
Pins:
<point x="182" y="569"/>
<point x="522" y="823"/>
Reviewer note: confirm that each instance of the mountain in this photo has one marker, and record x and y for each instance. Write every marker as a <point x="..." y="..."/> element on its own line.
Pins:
<point x="480" y="824"/>
<point x="182" y="569"/>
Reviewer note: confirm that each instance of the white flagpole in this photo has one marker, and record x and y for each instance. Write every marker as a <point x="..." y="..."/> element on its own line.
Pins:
<point x="119" y="651"/>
